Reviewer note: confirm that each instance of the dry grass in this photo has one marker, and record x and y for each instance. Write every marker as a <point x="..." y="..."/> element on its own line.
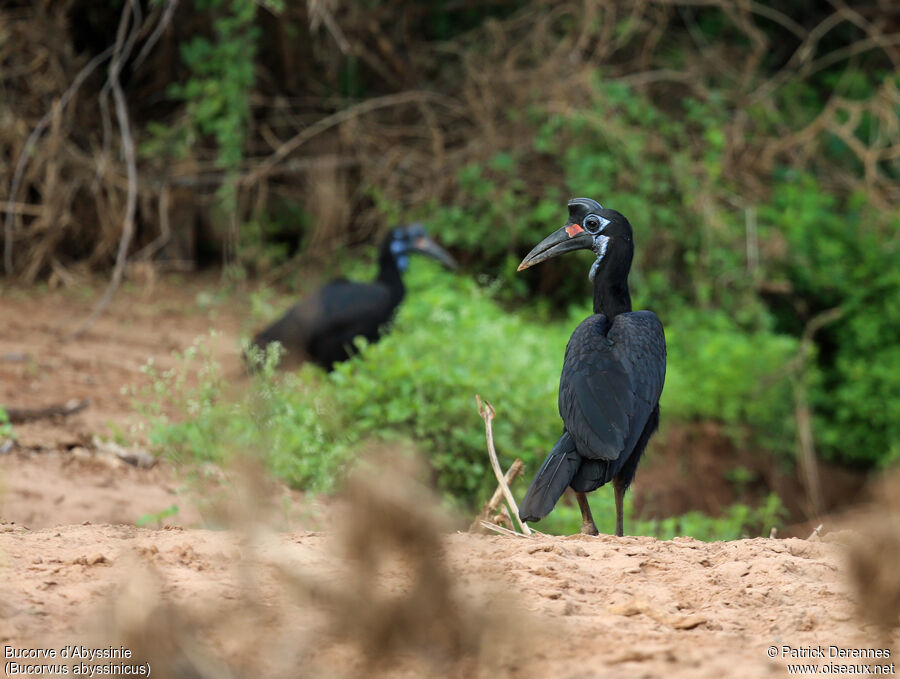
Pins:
<point x="70" y="207"/>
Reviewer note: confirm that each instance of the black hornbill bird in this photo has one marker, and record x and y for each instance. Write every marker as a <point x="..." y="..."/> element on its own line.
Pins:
<point x="322" y="326"/>
<point x="612" y="374"/>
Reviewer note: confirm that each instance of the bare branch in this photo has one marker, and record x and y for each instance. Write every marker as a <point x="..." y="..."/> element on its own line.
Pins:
<point x="27" y="150"/>
<point x="115" y="67"/>
<point x="803" y="413"/>
<point x="163" y="24"/>
<point x="501" y="529"/>
<point x="165" y="229"/>
<point x="333" y="120"/>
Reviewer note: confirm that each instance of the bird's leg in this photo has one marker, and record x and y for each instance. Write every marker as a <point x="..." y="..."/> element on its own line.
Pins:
<point x="587" y="519"/>
<point x="620" y="487"/>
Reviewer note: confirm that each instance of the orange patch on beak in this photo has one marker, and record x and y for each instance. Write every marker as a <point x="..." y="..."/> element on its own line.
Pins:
<point x="574" y="230"/>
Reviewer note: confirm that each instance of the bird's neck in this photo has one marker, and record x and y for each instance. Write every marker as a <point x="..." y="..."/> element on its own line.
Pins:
<point x="389" y="274"/>
<point x="611" y="295"/>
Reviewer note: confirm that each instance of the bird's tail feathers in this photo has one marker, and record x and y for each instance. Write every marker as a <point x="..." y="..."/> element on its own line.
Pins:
<point x="594" y="473"/>
<point x="551" y="480"/>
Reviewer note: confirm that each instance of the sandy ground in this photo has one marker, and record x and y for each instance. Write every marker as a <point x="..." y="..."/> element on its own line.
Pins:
<point x="378" y="593"/>
<point x="57" y="474"/>
<point x="587" y="607"/>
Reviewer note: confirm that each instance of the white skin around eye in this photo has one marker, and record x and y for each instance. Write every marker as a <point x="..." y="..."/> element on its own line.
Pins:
<point x="600" y="222"/>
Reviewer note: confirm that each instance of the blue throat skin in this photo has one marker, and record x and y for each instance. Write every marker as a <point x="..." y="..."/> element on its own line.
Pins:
<point x="398" y="249"/>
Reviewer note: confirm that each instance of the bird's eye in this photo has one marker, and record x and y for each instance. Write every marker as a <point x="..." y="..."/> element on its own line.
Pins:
<point x="594" y="224"/>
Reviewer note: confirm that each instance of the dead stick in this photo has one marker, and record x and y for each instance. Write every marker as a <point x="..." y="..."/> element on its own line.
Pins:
<point x="326" y="123"/>
<point x="31" y="142"/>
<point x="20" y="415"/>
<point x="120" y="55"/>
<point x="487" y="412"/>
<point x="491" y="505"/>
<point x="500" y="529"/>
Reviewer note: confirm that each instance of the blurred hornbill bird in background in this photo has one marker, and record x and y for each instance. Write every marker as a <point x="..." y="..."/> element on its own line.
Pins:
<point x="612" y="374"/>
<point x="322" y="326"/>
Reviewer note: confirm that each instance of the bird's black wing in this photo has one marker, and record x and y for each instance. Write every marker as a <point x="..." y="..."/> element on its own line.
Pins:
<point x="293" y="329"/>
<point x="611" y="381"/>
<point x="352" y="308"/>
<point x="340" y="310"/>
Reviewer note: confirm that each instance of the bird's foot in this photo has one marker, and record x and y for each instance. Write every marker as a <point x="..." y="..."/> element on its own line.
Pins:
<point x="588" y="528"/>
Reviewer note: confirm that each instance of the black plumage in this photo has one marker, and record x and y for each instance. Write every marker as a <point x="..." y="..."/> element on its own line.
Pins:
<point x="322" y="327"/>
<point x="612" y="375"/>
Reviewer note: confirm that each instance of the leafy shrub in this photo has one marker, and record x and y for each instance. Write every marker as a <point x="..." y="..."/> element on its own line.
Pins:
<point x="841" y="257"/>
<point x="450" y="341"/>
<point x="719" y="371"/>
<point x="734" y="319"/>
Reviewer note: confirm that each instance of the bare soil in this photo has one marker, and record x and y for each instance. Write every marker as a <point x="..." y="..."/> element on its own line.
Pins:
<point x="587" y="607"/>
<point x="254" y="601"/>
<point x="56" y="475"/>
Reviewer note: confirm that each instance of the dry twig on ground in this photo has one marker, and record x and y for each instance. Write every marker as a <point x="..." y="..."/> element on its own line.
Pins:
<point x="487" y="412"/>
<point x="70" y="407"/>
<point x="516" y="468"/>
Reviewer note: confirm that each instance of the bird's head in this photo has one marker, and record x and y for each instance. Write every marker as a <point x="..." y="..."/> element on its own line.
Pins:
<point x="413" y="239"/>
<point x="590" y="227"/>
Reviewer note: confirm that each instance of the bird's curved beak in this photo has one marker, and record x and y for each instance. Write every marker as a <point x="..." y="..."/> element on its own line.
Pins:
<point x="425" y="246"/>
<point x="568" y="238"/>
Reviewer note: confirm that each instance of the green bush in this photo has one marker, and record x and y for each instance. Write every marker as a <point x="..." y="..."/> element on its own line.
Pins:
<point x="450" y="341"/>
<point x="719" y="371"/>
<point x="733" y="322"/>
<point x="843" y="255"/>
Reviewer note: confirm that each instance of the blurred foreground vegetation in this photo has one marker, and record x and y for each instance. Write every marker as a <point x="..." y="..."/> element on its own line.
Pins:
<point x="754" y="147"/>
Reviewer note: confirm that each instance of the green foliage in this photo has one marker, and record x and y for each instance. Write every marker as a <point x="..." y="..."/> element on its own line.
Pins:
<point x="730" y="344"/>
<point x="718" y="371"/>
<point x="656" y="168"/>
<point x="841" y="259"/>
<point x="735" y="522"/>
<point x="6" y="428"/>
<point x="309" y="424"/>
<point x="286" y="421"/>
<point x="450" y="341"/>
<point x="218" y="93"/>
